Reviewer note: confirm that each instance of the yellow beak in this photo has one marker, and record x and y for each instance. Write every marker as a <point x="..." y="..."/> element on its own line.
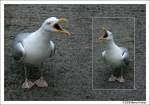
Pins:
<point x="103" y="29"/>
<point x="65" y="32"/>
<point x="63" y="20"/>
<point x="100" y="38"/>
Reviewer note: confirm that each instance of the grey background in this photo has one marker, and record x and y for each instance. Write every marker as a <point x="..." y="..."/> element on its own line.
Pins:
<point x="69" y="72"/>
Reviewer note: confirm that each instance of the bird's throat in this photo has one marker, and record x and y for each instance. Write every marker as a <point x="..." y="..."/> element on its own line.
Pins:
<point x="43" y="35"/>
<point x="110" y="45"/>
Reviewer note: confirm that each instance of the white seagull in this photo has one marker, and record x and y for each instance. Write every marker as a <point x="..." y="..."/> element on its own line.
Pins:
<point x="114" y="55"/>
<point x="33" y="48"/>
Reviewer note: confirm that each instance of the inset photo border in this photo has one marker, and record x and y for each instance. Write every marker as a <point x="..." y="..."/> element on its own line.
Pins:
<point x="123" y="35"/>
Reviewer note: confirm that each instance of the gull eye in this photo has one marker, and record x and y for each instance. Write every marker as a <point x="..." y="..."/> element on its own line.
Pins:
<point x="48" y="23"/>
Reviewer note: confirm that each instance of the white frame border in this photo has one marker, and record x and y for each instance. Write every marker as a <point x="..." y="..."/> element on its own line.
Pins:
<point x="72" y="2"/>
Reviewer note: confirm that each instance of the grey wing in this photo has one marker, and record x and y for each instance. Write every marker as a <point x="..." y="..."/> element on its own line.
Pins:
<point x="18" y="51"/>
<point x="125" y="55"/>
<point x="18" y="48"/>
<point x="52" y="48"/>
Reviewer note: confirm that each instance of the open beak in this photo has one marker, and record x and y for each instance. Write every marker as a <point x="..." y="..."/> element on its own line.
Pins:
<point x="100" y="38"/>
<point x="59" y="28"/>
<point x="104" y="34"/>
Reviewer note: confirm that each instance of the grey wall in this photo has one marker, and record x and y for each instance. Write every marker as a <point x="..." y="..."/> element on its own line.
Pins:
<point x="69" y="72"/>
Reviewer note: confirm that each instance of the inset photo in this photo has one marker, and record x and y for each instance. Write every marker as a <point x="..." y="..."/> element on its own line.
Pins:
<point x="113" y="52"/>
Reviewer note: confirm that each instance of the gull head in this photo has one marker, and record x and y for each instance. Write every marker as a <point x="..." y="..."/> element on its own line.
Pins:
<point x="54" y="24"/>
<point x="106" y="35"/>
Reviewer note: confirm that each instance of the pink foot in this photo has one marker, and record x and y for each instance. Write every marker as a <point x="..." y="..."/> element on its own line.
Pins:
<point x="41" y="82"/>
<point x="120" y="79"/>
<point x="112" y="78"/>
<point x="27" y="84"/>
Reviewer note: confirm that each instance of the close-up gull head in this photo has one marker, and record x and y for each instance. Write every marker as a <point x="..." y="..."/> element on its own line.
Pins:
<point x="106" y="35"/>
<point x="54" y="24"/>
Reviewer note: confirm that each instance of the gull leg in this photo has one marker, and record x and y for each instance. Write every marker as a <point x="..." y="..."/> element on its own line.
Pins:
<point x="112" y="78"/>
<point x="121" y="79"/>
<point x="27" y="83"/>
<point x="41" y="82"/>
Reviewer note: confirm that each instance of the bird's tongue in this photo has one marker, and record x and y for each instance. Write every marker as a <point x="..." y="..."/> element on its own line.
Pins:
<point x="104" y="34"/>
<point x="58" y="27"/>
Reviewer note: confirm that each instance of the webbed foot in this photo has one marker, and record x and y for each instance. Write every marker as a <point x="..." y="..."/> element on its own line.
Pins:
<point x="27" y="84"/>
<point x="112" y="78"/>
<point x="41" y="82"/>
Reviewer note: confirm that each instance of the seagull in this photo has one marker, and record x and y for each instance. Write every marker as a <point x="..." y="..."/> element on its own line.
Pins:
<point x="33" y="48"/>
<point x="117" y="57"/>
